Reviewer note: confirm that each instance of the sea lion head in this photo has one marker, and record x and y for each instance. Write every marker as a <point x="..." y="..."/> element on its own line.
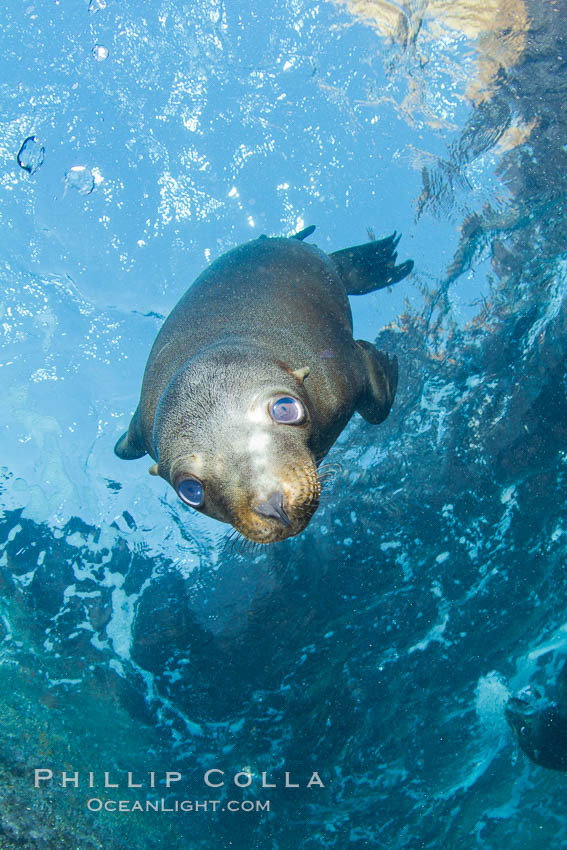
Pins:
<point x="232" y="434"/>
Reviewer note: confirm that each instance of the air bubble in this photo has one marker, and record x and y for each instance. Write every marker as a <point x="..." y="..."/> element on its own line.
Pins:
<point x="80" y="178"/>
<point x="100" y="52"/>
<point x="96" y="6"/>
<point x="31" y="155"/>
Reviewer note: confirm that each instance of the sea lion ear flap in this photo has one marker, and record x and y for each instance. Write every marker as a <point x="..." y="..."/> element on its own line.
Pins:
<point x="301" y="374"/>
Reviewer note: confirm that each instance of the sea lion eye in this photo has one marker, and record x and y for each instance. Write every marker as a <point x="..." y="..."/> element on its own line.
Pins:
<point x="190" y="491"/>
<point x="287" y="410"/>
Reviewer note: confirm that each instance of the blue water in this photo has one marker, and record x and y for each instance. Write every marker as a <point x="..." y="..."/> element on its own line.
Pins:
<point x="378" y="648"/>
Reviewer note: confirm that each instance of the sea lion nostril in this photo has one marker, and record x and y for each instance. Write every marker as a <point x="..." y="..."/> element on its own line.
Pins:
<point x="274" y="508"/>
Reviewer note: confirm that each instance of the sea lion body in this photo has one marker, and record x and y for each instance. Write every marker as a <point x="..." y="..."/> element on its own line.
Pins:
<point x="541" y="728"/>
<point x="268" y="320"/>
<point x="540" y="721"/>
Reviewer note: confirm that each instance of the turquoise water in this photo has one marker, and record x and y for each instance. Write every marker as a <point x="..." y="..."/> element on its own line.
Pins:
<point x="378" y="648"/>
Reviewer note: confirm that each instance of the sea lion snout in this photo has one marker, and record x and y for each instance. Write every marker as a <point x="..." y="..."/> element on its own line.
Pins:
<point x="266" y="515"/>
<point x="263" y="499"/>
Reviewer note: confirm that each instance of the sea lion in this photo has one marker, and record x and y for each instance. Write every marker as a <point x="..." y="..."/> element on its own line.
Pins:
<point x="254" y="375"/>
<point x="540" y="723"/>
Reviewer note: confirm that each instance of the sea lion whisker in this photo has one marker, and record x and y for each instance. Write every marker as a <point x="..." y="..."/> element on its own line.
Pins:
<point x="242" y="546"/>
<point x="233" y="538"/>
<point x="238" y="542"/>
<point x="327" y="476"/>
<point x="326" y="487"/>
<point x="309" y="508"/>
<point x="333" y="468"/>
<point x="247" y="546"/>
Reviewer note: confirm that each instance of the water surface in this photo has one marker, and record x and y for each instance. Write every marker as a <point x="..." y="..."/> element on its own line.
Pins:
<point x="378" y="647"/>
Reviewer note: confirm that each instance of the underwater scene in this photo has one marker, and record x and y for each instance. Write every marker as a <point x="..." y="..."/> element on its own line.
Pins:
<point x="334" y="614"/>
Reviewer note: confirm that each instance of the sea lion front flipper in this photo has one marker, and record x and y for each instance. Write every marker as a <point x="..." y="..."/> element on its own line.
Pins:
<point x="365" y="268"/>
<point x="381" y="381"/>
<point x="130" y="446"/>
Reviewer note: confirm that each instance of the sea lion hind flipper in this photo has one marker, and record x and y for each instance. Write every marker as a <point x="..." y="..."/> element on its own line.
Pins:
<point x="365" y="268"/>
<point x="381" y="382"/>
<point x="130" y="446"/>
